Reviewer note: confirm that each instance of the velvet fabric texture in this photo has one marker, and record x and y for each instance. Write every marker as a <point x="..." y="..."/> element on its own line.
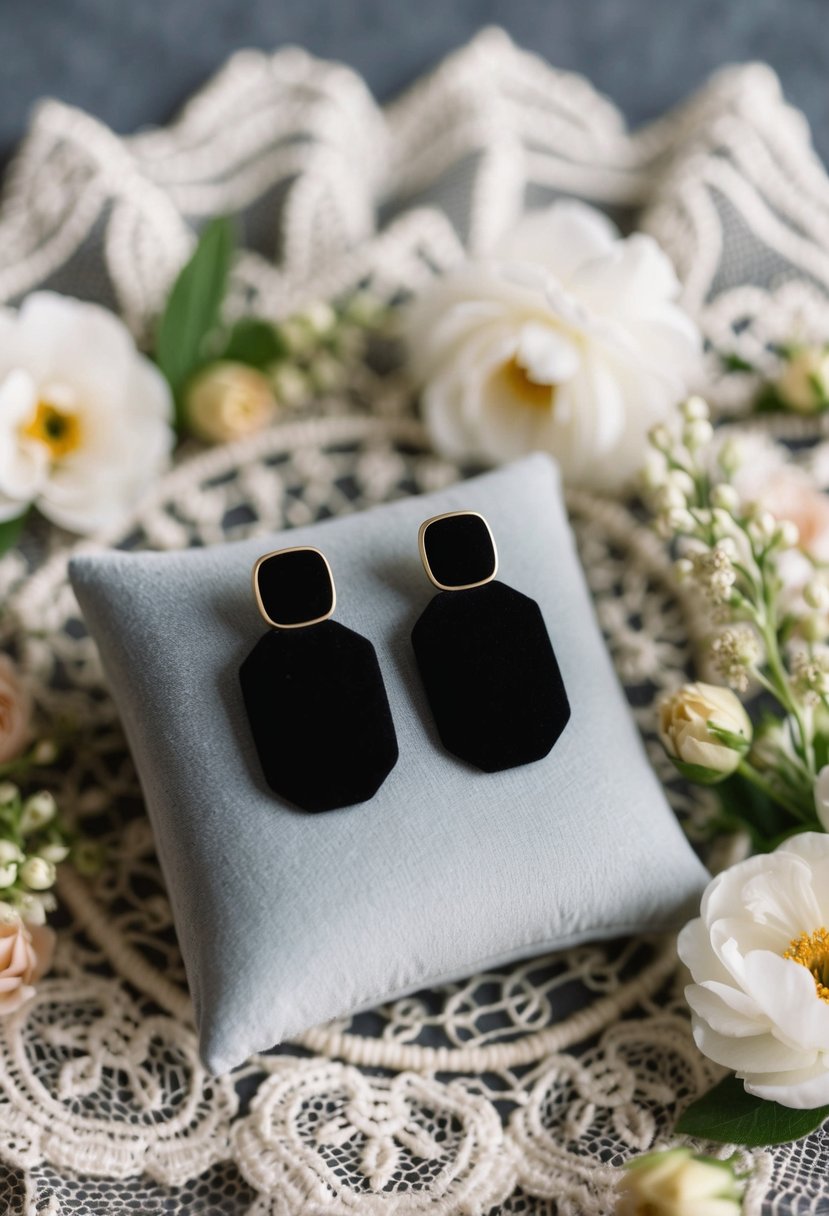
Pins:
<point x="491" y="676"/>
<point x="319" y="714"/>
<point x="287" y="919"/>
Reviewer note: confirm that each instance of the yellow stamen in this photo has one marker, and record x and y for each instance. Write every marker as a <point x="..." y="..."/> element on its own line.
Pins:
<point x="519" y="384"/>
<point x="58" y="430"/>
<point x="811" y="950"/>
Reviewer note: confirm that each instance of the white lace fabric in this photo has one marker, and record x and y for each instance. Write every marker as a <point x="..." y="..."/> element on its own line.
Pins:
<point x="522" y="1090"/>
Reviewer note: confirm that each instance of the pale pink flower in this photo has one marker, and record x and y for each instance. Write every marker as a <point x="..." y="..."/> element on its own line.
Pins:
<point x="25" y="955"/>
<point x="15" y="710"/>
<point x="790" y="495"/>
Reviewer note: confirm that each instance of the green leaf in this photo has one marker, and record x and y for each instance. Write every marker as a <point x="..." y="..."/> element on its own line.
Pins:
<point x="698" y="773"/>
<point x="195" y="302"/>
<point x="254" y="342"/>
<point x="10" y="531"/>
<point x="746" y="805"/>
<point x="737" y="743"/>
<point x="728" y="1115"/>
<point x="732" y="362"/>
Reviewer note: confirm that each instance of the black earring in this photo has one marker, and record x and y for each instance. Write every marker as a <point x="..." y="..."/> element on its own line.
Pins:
<point x="313" y="690"/>
<point x="484" y="653"/>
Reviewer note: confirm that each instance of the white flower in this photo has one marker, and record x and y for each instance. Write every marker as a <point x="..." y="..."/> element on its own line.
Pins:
<point x="759" y="958"/>
<point x="566" y="338"/>
<point x="84" y="418"/>
<point x="677" y="1183"/>
<point x="701" y="725"/>
<point x="38" y="809"/>
<point x="228" y="401"/>
<point x="37" y="873"/>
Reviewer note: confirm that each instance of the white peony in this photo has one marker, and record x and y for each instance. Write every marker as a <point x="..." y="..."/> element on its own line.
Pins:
<point x="84" y="418"/>
<point x="759" y="959"/>
<point x="566" y="338"/>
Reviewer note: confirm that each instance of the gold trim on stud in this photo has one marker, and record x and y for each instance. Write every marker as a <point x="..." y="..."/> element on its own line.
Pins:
<point x="257" y="595"/>
<point x="421" y="544"/>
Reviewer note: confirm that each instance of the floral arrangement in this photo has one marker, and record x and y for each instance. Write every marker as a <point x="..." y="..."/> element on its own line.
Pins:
<point x="759" y="952"/>
<point x="88" y="422"/>
<point x="34" y="841"/>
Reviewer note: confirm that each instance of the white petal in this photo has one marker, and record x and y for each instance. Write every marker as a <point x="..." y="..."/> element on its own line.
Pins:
<point x="561" y="238"/>
<point x="802" y="1089"/>
<point x="786" y="993"/>
<point x="726" y="1010"/>
<point x="758" y="1053"/>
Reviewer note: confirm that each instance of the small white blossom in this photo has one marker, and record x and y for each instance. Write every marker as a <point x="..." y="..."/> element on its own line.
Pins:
<point x="8" y="792"/>
<point x="38" y="810"/>
<point x="55" y="853"/>
<point x="695" y="409"/>
<point x="8" y="875"/>
<point x="37" y="873"/>
<point x="715" y="573"/>
<point x="9" y="852"/>
<point x="730" y="457"/>
<point x="697" y="434"/>
<point x="736" y="651"/>
<point x="725" y="497"/>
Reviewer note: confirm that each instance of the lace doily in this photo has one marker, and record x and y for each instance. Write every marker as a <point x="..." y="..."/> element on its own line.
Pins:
<point x="522" y="1090"/>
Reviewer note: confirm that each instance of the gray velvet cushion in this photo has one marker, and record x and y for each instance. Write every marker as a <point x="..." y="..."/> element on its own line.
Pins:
<point x="287" y="919"/>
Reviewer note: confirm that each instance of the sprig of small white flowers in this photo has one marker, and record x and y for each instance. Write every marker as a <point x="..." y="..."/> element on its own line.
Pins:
<point x="33" y="842"/>
<point x="731" y="551"/>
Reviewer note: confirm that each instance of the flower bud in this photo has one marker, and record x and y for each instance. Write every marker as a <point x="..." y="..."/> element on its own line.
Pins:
<point x="660" y="437"/>
<point x="788" y="533"/>
<point x="8" y="792"/>
<point x="38" y="810"/>
<point x="291" y="386"/>
<point x="816" y="594"/>
<point x="37" y="873"/>
<point x="677" y="1182"/>
<point x="55" y="853"/>
<point x="320" y="318"/>
<point x="8" y="875"/>
<point x="654" y="471"/>
<point x="228" y="401"/>
<point x="705" y="730"/>
<point x="697" y="434"/>
<point x="45" y="752"/>
<point x="695" y="409"/>
<point x="32" y="909"/>
<point x="730" y="457"/>
<point x="683" y="569"/>
<point x="9" y="853"/>
<point x="804" y="383"/>
<point x="725" y="497"/>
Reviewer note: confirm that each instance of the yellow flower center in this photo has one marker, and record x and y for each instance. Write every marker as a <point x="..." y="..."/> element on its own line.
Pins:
<point x="811" y="950"/>
<point x="516" y="381"/>
<point x="58" y="430"/>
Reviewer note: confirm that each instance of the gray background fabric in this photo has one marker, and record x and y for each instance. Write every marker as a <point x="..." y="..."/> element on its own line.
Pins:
<point x="287" y="919"/>
<point x="133" y="64"/>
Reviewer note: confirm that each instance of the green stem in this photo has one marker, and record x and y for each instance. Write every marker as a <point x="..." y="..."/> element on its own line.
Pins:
<point x="750" y="773"/>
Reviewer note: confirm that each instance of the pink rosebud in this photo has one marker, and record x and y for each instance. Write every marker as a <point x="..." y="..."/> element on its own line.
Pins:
<point x="15" y="710"/>
<point x="25" y="955"/>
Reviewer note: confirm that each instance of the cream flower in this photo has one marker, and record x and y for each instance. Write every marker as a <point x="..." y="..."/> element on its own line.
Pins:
<point x="689" y="722"/>
<point x="84" y="418"/>
<point x="759" y="959"/>
<point x="15" y="710"/>
<point x="804" y="382"/>
<point x="228" y="401"/>
<point x="25" y="955"/>
<point x="676" y="1183"/>
<point x="566" y="339"/>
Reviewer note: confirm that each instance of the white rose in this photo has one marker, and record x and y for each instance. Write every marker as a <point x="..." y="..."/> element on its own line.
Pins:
<point x="565" y="339"/>
<point x="228" y="401"/>
<point x="676" y="1183"/>
<point x="759" y="959"/>
<point x="84" y="418"/>
<point x="689" y="720"/>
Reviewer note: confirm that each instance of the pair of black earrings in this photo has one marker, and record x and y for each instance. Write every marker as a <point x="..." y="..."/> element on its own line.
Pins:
<point x="314" y="692"/>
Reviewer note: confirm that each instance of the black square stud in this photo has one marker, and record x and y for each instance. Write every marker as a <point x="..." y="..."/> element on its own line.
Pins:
<point x="294" y="587"/>
<point x="458" y="551"/>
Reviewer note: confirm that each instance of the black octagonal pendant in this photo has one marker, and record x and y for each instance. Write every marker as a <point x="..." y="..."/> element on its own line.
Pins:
<point x="313" y="690"/>
<point x="484" y="654"/>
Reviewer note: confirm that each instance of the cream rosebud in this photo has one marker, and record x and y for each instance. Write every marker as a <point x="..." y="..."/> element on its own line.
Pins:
<point x="804" y="383"/>
<point x="678" y="1183"/>
<point x="37" y="873"/>
<point x="704" y="729"/>
<point x="228" y="401"/>
<point x="38" y="810"/>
